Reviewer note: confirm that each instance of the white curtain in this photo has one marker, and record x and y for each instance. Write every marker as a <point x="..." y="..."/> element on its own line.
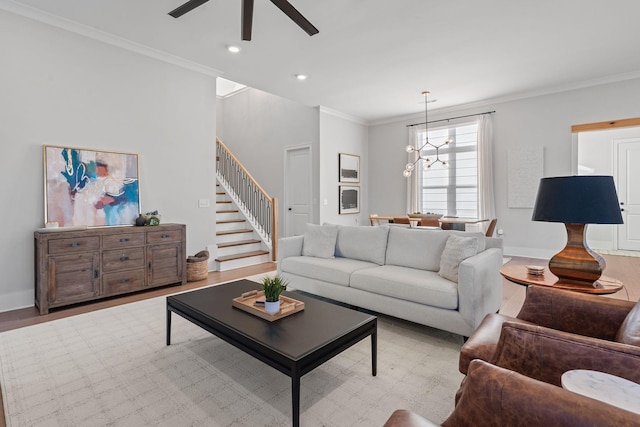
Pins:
<point x="412" y="181"/>
<point x="486" y="200"/>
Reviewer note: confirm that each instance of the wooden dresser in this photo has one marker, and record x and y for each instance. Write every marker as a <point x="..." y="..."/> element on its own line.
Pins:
<point x="83" y="265"/>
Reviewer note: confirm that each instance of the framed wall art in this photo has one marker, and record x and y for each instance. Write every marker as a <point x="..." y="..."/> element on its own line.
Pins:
<point x="349" y="167"/>
<point x="85" y="187"/>
<point x="349" y="202"/>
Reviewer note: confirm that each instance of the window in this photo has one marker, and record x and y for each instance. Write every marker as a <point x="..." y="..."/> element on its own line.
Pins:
<point x="451" y="190"/>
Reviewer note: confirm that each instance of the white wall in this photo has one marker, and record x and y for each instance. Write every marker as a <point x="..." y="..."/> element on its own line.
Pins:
<point x="61" y="88"/>
<point x="341" y="134"/>
<point x="257" y="126"/>
<point x="543" y="121"/>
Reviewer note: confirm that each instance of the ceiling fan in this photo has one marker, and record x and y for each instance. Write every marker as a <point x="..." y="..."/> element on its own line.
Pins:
<point x="247" y="15"/>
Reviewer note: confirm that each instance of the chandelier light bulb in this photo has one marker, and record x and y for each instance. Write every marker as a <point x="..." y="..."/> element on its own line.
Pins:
<point x="406" y="173"/>
<point x="410" y="149"/>
<point x="409" y="167"/>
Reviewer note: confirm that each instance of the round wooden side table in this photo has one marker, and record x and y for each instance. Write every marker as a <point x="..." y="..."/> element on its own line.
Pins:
<point x="516" y="271"/>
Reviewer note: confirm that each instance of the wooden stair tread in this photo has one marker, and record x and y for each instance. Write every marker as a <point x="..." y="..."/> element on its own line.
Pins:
<point x="240" y="256"/>
<point x="223" y="201"/>
<point x="230" y="221"/>
<point x="224" y="233"/>
<point x="228" y="211"/>
<point x="238" y="243"/>
<point x="220" y="193"/>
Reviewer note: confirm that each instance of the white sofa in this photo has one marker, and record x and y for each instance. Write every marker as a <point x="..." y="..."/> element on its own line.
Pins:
<point x="399" y="272"/>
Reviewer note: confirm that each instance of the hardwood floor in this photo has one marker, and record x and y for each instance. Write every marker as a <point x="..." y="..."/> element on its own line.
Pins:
<point x="29" y="316"/>
<point x="623" y="268"/>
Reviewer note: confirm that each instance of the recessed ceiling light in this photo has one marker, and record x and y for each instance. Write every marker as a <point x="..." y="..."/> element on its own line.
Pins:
<point x="302" y="76"/>
<point x="233" y="49"/>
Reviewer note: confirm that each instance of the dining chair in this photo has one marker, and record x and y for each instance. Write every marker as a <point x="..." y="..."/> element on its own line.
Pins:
<point x="491" y="228"/>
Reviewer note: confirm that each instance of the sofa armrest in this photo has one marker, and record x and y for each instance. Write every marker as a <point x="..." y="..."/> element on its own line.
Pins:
<point x="582" y="314"/>
<point x="493" y="397"/>
<point x="480" y="286"/>
<point x="545" y="354"/>
<point x="482" y="344"/>
<point x="288" y="247"/>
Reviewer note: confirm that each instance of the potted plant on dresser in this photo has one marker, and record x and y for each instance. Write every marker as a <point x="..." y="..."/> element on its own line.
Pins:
<point x="273" y="287"/>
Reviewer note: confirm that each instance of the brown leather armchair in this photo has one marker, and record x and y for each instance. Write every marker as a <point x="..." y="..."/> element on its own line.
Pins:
<point x="492" y="396"/>
<point x="557" y="331"/>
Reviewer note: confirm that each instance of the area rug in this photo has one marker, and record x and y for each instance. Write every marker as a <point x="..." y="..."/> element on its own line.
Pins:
<point x="112" y="368"/>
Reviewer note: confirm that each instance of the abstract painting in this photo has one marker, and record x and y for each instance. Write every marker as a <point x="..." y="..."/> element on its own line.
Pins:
<point x="90" y="187"/>
<point x="349" y="166"/>
<point x="349" y="199"/>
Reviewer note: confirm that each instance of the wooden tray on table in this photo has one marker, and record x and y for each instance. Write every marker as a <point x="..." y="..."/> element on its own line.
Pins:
<point x="246" y="301"/>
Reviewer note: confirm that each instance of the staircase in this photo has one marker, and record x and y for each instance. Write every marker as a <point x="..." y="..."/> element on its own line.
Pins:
<point x="246" y="217"/>
<point x="238" y="243"/>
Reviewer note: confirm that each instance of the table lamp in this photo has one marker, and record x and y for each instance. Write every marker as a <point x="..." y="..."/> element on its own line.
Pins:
<point x="577" y="201"/>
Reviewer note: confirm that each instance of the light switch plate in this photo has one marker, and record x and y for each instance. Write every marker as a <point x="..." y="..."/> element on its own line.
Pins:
<point x="203" y="203"/>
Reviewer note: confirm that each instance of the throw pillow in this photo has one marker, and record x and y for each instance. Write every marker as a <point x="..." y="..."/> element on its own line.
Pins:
<point x="320" y="240"/>
<point x="456" y="250"/>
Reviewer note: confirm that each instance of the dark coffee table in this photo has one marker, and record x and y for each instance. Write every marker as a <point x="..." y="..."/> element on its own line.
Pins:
<point x="294" y="345"/>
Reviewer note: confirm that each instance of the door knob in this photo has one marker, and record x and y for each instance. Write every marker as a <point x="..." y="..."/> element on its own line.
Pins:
<point x="289" y="208"/>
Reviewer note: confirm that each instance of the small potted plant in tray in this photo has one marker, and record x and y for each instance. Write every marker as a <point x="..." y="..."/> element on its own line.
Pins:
<point x="273" y="287"/>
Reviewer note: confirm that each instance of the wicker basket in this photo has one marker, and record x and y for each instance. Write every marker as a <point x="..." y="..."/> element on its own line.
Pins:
<point x="198" y="270"/>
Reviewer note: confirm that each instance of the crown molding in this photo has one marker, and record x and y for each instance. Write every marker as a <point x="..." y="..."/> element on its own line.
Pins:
<point x="104" y="37"/>
<point x="342" y="115"/>
<point x="513" y="97"/>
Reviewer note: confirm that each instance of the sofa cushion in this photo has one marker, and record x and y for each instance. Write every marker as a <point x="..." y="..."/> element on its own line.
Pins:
<point x="320" y="240"/>
<point x="416" y="248"/>
<point x="456" y="250"/>
<point x="420" y="286"/>
<point x="629" y="332"/>
<point x="362" y="243"/>
<point x="335" y="270"/>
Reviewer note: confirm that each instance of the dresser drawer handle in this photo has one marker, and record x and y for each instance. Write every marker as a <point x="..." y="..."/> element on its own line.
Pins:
<point x="124" y="240"/>
<point x="96" y="274"/>
<point x="74" y="244"/>
<point x="124" y="281"/>
<point x="164" y="236"/>
<point x="124" y="258"/>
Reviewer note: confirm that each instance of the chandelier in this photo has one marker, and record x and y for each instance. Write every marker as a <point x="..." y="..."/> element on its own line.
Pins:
<point x="428" y="162"/>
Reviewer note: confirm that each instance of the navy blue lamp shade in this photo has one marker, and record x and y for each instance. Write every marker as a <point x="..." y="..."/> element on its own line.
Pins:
<point x="577" y="201"/>
<point x="584" y="199"/>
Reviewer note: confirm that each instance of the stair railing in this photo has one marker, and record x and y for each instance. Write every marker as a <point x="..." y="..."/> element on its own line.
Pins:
<point x="261" y="209"/>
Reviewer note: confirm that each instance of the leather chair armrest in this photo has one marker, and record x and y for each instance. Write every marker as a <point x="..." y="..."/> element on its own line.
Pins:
<point x="404" y="418"/>
<point x="545" y="354"/>
<point x="493" y="397"/>
<point x="583" y="314"/>
<point x="482" y="344"/>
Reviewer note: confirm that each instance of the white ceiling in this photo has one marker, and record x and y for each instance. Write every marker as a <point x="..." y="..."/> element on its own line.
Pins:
<point x="373" y="58"/>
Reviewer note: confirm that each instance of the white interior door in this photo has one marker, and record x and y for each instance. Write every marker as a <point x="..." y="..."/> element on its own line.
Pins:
<point x="628" y="180"/>
<point x="297" y="205"/>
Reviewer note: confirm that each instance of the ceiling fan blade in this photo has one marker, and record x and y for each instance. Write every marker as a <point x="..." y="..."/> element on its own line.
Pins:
<point x="247" y="19"/>
<point x="187" y="7"/>
<point x="296" y="16"/>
